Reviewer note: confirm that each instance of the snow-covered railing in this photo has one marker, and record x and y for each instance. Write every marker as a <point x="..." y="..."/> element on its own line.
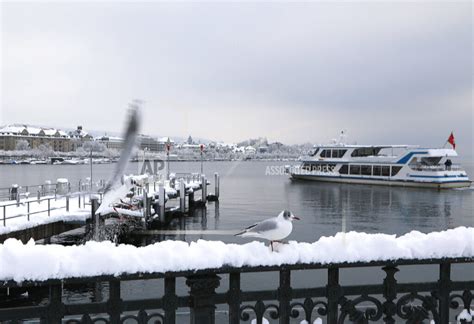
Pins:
<point x="202" y="263"/>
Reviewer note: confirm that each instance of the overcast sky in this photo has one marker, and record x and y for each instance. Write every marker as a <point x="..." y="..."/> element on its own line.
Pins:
<point x="293" y="72"/>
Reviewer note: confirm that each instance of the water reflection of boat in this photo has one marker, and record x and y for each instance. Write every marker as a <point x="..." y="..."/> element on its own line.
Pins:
<point x="378" y="165"/>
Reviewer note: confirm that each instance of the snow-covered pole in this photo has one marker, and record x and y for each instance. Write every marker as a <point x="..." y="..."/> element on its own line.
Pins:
<point x="161" y="194"/>
<point x="182" y="196"/>
<point x="145" y="205"/>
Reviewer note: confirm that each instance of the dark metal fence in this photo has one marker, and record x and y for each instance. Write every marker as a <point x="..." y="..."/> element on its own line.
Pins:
<point x="386" y="302"/>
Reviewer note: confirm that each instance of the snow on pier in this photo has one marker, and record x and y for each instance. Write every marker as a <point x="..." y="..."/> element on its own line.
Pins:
<point x="17" y="218"/>
<point x="41" y="262"/>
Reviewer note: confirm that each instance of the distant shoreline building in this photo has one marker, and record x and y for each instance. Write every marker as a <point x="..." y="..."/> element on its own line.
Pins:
<point x="11" y="135"/>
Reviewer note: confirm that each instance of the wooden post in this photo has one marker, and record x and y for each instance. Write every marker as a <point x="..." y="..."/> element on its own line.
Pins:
<point x="4" y="215"/>
<point x="204" y="188"/>
<point x="67" y="202"/>
<point x="28" y="210"/>
<point x="216" y="184"/>
<point x="49" y="206"/>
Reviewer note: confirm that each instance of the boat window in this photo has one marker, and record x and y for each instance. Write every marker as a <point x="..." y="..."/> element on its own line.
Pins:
<point x="315" y="152"/>
<point x="395" y="170"/>
<point x="343" y="169"/>
<point x="326" y="153"/>
<point x="366" y="170"/>
<point x="377" y="170"/>
<point x="430" y="160"/>
<point x="338" y="153"/>
<point x="354" y="169"/>
<point x="365" y="151"/>
<point x="385" y="171"/>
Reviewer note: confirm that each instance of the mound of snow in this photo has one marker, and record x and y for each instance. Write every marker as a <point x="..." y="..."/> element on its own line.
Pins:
<point x="40" y="262"/>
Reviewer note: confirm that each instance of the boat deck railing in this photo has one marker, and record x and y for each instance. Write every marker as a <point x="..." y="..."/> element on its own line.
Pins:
<point x="423" y="167"/>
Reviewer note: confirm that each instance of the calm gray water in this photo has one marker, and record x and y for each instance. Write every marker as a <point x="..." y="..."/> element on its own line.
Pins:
<point x="249" y="195"/>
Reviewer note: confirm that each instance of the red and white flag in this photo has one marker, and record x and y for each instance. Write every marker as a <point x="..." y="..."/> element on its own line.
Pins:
<point x="451" y="140"/>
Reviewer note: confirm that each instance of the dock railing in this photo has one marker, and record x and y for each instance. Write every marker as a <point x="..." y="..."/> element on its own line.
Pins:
<point x="388" y="301"/>
<point x="64" y="202"/>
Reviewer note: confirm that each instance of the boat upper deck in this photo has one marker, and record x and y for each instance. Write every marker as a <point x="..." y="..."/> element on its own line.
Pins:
<point x="399" y="154"/>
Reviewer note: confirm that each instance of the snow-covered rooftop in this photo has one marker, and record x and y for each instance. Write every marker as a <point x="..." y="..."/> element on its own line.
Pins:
<point x="41" y="262"/>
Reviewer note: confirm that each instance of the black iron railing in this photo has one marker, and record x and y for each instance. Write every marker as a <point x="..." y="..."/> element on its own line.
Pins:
<point x="386" y="302"/>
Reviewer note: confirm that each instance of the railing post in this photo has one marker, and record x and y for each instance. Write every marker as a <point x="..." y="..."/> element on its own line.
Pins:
<point x="28" y="210"/>
<point x="284" y="296"/>
<point x="49" y="206"/>
<point x="234" y="298"/>
<point x="170" y="300"/>
<point x="203" y="308"/>
<point x="333" y="295"/>
<point x="444" y="285"/>
<point x="67" y="202"/>
<point x="79" y="196"/>
<point x="55" y="310"/>
<point x="390" y="294"/>
<point x="114" y="304"/>
<point x="4" y="215"/>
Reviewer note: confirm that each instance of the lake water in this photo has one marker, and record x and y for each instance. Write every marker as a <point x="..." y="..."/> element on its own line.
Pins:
<point x="249" y="195"/>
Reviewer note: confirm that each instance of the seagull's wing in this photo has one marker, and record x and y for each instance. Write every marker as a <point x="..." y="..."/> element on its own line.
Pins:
<point x="264" y="226"/>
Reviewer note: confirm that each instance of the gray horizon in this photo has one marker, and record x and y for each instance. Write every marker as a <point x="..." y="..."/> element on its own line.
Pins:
<point x="387" y="73"/>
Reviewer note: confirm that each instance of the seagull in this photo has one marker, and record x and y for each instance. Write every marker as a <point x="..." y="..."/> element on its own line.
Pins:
<point x="273" y="229"/>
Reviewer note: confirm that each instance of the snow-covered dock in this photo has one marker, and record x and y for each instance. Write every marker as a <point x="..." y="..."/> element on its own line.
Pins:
<point x="41" y="262"/>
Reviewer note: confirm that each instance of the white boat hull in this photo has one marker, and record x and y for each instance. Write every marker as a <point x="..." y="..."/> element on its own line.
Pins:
<point x="385" y="182"/>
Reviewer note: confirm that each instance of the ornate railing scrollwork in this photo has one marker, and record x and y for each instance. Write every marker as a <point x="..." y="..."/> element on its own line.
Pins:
<point x="86" y="319"/>
<point x="466" y="299"/>
<point x="143" y="317"/>
<point x="408" y="310"/>
<point x="308" y="306"/>
<point x="348" y="308"/>
<point x="259" y="309"/>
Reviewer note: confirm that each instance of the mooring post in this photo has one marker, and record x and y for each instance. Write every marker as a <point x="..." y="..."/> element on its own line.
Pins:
<point x="28" y="210"/>
<point x="216" y="185"/>
<point x="18" y="198"/>
<point x="145" y="206"/>
<point x="202" y="292"/>
<point x="39" y="196"/>
<point x="79" y="196"/>
<point x="49" y="206"/>
<point x="191" y="198"/>
<point x="204" y="188"/>
<point x="182" y="196"/>
<point x="94" y="216"/>
<point x="13" y="192"/>
<point x="161" y="195"/>
<point x="67" y="202"/>
<point x="4" y="215"/>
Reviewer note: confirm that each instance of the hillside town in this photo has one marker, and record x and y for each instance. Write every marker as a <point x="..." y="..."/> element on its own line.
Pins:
<point x="25" y="144"/>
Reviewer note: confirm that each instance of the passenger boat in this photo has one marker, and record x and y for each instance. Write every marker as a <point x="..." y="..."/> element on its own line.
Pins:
<point x="379" y="165"/>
